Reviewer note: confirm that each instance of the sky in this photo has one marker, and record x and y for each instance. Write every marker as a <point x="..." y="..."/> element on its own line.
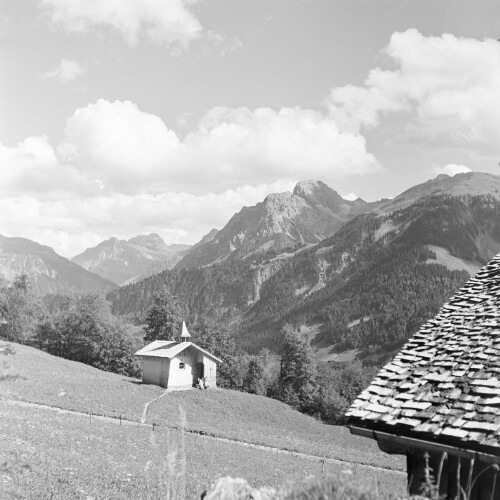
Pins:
<point x="125" y="117"/>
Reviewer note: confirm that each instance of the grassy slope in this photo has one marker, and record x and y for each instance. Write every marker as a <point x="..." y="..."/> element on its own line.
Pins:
<point x="70" y="458"/>
<point x="53" y="443"/>
<point x="261" y="420"/>
<point x="42" y="378"/>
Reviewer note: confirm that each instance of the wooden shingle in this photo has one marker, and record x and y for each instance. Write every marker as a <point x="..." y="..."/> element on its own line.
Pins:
<point x="446" y="379"/>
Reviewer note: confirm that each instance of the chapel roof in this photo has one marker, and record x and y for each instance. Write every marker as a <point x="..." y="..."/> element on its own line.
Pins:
<point x="170" y="349"/>
<point x="444" y="384"/>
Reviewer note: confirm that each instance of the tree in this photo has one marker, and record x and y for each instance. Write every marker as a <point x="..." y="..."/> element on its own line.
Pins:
<point x="297" y="378"/>
<point x="255" y="381"/>
<point x="339" y="386"/>
<point x="86" y="331"/>
<point x="214" y="336"/>
<point x="163" y="317"/>
<point x="20" y="311"/>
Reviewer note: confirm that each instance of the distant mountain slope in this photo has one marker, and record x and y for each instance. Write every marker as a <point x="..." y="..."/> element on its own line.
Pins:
<point x="311" y="213"/>
<point x="123" y="261"/>
<point x="48" y="271"/>
<point x="369" y="286"/>
<point x="468" y="184"/>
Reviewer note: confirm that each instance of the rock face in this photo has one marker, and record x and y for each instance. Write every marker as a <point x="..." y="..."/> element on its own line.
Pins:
<point x="48" y="271"/>
<point x="311" y="213"/>
<point x="126" y="261"/>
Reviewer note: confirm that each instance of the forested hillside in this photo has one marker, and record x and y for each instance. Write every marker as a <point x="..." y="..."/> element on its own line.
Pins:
<point x="379" y="275"/>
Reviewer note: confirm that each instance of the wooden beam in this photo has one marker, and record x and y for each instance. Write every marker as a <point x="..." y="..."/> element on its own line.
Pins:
<point x="397" y="442"/>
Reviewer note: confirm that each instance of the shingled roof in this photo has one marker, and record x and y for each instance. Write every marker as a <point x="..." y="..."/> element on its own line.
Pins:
<point x="444" y="385"/>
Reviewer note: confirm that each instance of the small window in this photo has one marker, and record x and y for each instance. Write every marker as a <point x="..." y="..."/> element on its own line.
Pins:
<point x="181" y="365"/>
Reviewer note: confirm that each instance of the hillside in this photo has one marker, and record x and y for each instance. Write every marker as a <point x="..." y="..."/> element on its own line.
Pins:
<point x="367" y="287"/>
<point x="234" y="420"/>
<point x="311" y="213"/>
<point x="48" y="271"/>
<point x="126" y="261"/>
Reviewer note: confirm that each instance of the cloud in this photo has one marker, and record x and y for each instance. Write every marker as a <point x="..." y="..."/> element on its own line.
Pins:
<point x="350" y="196"/>
<point x="121" y="146"/>
<point x="32" y="166"/>
<point x="73" y="222"/>
<point x="267" y="144"/>
<point x="129" y="150"/>
<point x="162" y="21"/>
<point x="447" y="85"/>
<point x="452" y="169"/>
<point x="66" y="71"/>
<point x="121" y="171"/>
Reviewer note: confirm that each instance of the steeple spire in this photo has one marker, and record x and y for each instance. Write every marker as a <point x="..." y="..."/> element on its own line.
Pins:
<point x="184" y="333"/>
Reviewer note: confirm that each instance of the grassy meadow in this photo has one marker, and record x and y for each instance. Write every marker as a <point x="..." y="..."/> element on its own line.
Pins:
<point x="71" y="456"/>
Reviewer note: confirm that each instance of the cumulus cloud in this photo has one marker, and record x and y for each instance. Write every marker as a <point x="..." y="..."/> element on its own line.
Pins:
<point x="447" y="84"/>
<point x="163" y="21"/>
<point x="267" y="144"/>
<point x="452" y="169"/>
<point x="72" y="223"/>
<point x="122" y="171"/>
<point x="66" y="71"/>
<point x="128" y="150"/>
<point x="121" y="146"/>
<point x="32" y="166"/>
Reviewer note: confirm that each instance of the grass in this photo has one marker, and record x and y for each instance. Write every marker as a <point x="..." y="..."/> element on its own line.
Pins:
<point x="45" y="379"/>
<point x="53" y="381"/>
<point x="265" y="421"/>
<point x="70" y="457"/>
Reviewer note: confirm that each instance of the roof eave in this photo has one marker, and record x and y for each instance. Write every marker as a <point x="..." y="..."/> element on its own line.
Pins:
<point x="387" y="440"/>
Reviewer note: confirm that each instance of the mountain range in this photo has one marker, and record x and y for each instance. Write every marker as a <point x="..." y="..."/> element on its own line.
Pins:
<point x="366" y="288"/>
<point x="355" y="276"/>
<point x="126" y="261"/>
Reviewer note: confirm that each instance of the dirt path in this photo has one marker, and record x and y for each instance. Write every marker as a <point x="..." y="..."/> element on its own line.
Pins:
<point x="141" y="423"/>
<point x="146" y="406"/>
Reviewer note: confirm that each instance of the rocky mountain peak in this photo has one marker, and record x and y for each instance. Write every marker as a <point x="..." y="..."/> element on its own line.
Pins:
<point x="153" y="241"/>
<point x="282" y="220"/>
<point x="318" y="193"/>
<point x="309" y="187"/>
<point x="124" y="261"/>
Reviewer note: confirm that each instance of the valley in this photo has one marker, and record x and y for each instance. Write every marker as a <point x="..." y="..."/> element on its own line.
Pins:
<point x="306" y="258"/>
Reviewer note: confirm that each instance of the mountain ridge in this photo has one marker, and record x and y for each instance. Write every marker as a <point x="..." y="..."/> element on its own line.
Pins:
<point x="125" y="261"/>
<point x="307" y="215"/>
<point x="48" y="271"/>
